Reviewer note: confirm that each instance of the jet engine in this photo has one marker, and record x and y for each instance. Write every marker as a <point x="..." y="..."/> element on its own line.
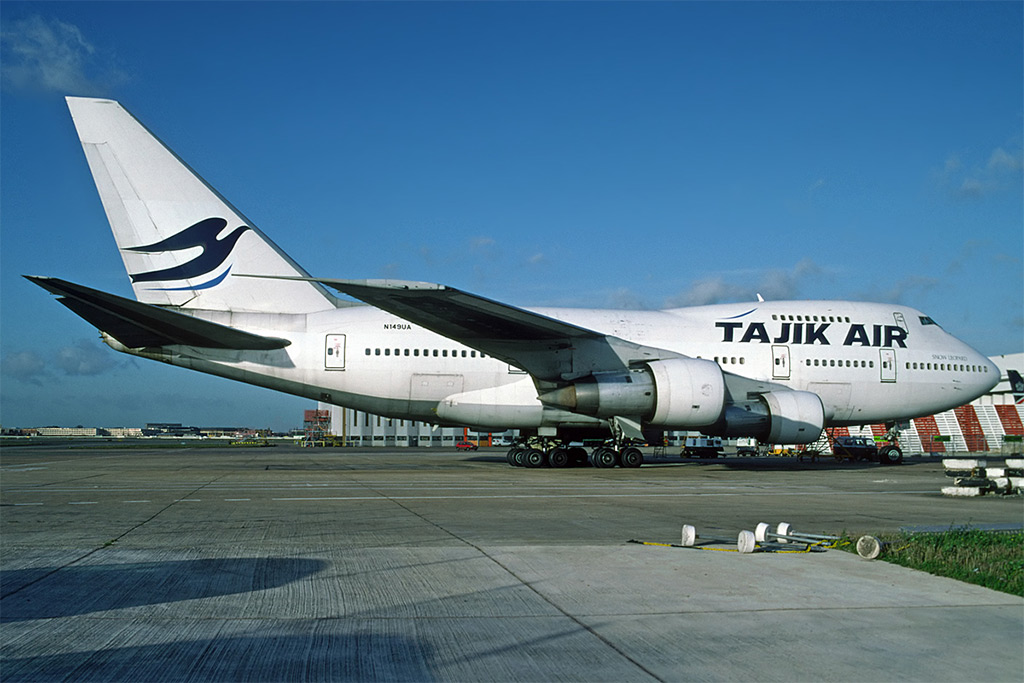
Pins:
<point x="679" y="392"/>
<point x="795" y="417"/>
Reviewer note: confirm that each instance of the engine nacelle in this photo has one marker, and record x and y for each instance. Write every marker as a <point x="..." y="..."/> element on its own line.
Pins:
<point x="680" y="392"/>
<point x="795" y="417"/>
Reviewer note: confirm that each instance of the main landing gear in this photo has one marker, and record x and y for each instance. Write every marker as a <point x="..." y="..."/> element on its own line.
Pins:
<point x="891" y="454"/>
<point x="546" y="452"/>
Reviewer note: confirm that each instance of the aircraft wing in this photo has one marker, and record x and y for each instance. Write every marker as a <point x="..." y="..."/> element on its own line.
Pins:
<point x="549" y="349"/>
<point x="137" y="325"/>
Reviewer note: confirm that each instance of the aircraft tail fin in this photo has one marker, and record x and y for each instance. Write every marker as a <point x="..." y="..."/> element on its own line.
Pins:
<point x="1016" y="386"/>
<point x="180" y="240"/>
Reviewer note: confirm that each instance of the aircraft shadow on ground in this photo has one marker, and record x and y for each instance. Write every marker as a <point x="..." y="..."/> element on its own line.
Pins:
<point x="49" y="592"/>
<point x="307" y="651"/>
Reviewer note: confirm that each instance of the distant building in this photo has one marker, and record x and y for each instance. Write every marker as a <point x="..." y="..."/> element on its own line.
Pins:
<point x="356" y="428"/>
<point x="124" y="432"/>
<point x="68" y="431"/>
<point x="169" y="429"/>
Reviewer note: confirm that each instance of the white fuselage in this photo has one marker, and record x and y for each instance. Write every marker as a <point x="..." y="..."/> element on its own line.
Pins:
<point x="869" y="363"/>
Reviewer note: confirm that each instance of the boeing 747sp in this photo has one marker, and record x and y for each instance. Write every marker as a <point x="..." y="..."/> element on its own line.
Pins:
<point x="214" y="294"/>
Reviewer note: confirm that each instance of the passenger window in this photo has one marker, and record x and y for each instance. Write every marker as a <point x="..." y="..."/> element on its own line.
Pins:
<point x="367" y="352"/>
<point x="387" y="352"/>
<point x="406" y="352"/>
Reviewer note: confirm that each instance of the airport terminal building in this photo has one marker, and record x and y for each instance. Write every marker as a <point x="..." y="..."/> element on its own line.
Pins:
<point x="981" y="426"/>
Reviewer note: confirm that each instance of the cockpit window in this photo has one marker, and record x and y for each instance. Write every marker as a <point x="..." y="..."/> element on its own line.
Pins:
<point x="925" y="320"/>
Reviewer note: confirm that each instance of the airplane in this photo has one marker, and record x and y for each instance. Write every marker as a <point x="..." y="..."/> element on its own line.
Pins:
<point x="214" y="294"/>
<point x="1016" y="386"/>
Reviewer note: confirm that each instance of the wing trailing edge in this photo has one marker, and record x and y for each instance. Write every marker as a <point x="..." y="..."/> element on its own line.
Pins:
<point x="138" y="325"/>
<point x="551" y="350"/>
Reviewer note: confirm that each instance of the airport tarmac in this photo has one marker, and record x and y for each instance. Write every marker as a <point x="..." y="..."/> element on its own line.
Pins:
<point x="283" y="564"/>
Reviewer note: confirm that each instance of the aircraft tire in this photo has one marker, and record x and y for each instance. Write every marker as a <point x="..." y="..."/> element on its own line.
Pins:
<point x="533" y="458"/>
<point x="631" y="457"/>
<point x="517" y="457"/>
<point x="605" y="458"/>
<point x="577" y="457"/>
<point x="559" y="458"/>
<point x="510" y="456"/>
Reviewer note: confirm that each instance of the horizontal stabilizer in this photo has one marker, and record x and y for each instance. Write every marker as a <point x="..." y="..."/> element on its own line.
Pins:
<point x="138" y="325"/>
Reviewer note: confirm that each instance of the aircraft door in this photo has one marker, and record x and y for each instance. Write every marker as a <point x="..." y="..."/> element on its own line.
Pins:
<point x="334" y="352"/>
<point x="887" y="361"/>
<point x="780" y="362"/>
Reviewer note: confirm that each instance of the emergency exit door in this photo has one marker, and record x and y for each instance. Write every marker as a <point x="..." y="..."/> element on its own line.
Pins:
<point x="780" y="362"/>
<point x="334" y="352"/>
<point x="887" y="362"/>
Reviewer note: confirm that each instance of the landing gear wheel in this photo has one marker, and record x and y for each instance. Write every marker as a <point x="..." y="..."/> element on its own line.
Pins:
<point x="605" y="457"/>
<point x="517" y="457"/>
<point x="559" y="457"/>
<point x="890" y="455"/>
<point x="577" y="456"/>
<point x="511" y="456"/>
<point x="632" y="457"/>
<point x="533" y="458"/>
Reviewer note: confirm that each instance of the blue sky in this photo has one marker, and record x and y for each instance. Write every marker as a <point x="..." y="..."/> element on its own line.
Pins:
<point x="635" y="155"/>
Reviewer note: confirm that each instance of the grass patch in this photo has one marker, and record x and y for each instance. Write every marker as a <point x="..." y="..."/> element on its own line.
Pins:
<point x="993" y="559"/>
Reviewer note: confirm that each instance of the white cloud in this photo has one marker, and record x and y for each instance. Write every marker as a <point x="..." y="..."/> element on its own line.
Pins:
<point x="24" y="366"/>
<point x="1003" y="161"/>
<point x="49" y="55"/>
<point x="999" y="173"/>
<point x="773" y="285"/>
<point x="85" y="358"/>
<point x="905" y="291"/>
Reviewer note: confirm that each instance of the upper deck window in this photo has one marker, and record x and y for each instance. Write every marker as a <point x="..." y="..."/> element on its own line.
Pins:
<point x="925" y="320"/>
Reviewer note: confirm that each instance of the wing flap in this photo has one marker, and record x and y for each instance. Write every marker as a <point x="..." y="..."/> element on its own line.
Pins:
<point x="138" y="325"/>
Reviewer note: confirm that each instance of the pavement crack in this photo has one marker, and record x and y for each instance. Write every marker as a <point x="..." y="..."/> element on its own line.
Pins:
<point x="108" y="543"/>
<point x="523" y="582"/>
